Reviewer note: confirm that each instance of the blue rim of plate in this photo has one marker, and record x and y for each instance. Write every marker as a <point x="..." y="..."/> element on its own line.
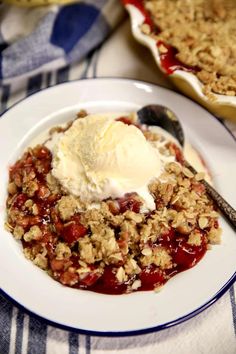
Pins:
<point x="166" y="325"/>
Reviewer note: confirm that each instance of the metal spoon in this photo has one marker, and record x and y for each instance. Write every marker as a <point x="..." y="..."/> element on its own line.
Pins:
<point x="163" y="117"/>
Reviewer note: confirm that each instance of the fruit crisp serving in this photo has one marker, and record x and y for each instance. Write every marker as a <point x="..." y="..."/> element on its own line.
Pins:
<point x="204" y="36"/>
<point x="116" y="245"/>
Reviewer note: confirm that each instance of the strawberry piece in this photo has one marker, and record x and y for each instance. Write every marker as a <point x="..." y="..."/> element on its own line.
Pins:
<point x="20" y="201"/>
<point x="72" y="232"/>
<point x="186" y="256"/>
<point x="42" y="152"/>
<point x="108" y="283"/>
<point x="151" y="277"/>
<point x="176" y="151"/>
<point x="129" y="202"/>
<point x="90" y="278"/>
<point x="69" y="278"/>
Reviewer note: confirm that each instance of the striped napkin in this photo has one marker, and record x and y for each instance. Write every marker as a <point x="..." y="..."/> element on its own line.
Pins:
<point x="38" y="39"/>
<point x="211" y="332"/>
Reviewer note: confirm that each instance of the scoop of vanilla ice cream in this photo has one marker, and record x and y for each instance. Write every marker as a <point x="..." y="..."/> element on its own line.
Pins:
<point x="99" y="157"/>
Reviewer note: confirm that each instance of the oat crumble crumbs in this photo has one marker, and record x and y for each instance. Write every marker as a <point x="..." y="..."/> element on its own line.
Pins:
<point x="117" y="247"/>
<point x="209" y="43"/>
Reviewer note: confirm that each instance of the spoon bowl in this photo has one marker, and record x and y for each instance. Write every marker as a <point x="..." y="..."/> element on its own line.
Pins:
<point x="163" y="117"/>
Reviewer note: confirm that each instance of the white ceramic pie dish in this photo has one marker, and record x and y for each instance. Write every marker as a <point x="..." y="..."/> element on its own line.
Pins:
<point x="224" y="106"/>
<point x="184" y="295"/>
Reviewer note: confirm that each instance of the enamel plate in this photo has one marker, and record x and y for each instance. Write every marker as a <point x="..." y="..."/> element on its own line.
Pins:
<point x="183" y="296"/>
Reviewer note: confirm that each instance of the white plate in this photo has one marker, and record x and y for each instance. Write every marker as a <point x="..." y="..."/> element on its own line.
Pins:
<point x="183" y="296"/>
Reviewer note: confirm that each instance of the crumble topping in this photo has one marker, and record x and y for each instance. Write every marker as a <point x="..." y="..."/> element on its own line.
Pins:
<point x="114" y="246"/>
<point x="209" y="43"/>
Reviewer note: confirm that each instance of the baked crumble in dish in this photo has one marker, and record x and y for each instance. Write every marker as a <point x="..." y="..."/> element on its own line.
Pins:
<point x="197" y="36"/>
<point x="117" y="245"/>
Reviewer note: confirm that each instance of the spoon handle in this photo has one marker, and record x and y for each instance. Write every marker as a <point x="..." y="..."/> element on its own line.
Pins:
<point x="228" y="211"/>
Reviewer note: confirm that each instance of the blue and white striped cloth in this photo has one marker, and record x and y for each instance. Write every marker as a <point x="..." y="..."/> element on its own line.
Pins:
<point x="211" y="332"/>
<point x="39" y="39"/>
